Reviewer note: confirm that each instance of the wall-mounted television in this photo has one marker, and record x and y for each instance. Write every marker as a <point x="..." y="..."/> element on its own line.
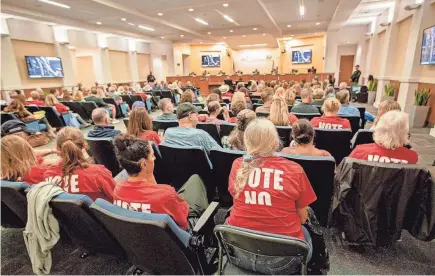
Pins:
<point x="428" y="46"/>
<point x="302" y="56"/>
<point x="44" y="67"/>
<point x="211" y="60"/>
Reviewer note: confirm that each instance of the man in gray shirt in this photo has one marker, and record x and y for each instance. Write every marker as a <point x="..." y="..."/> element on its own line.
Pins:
<point x="305" y="106"/>
<point x="187" y="134"/>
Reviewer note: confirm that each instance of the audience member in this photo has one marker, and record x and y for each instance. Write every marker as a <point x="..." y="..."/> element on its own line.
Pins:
<point x="318" y="95"/>
<point x="16" y="95"/>
<point x="236" y="107"/>
<point x="141" y="192"/>
<point x="52" y="101"/>
<point x="167" y="108"/>
<point x="305" y="106"/>
<point x="235" y="140"/>
<point x="384" y="107"/>
<point x="290" y="96"/>
<point x="342" y="85"/>
<point x="303" y="136"/>
<point x="253" y="87"/>
<point x="279" y="114"/>
<point x="100" y="103"/>
<point x="41" y="94"/>
<point x="187" y="134"/>
<point x="267" y="98"/>
<point x="297" y="88"/>
<point x="224" y="91"/>
<point x="140" y="125"/>
<point x="34" y="99"/>
<point x="390" y="136"/>
<point x="102" y="128"/>
<point x="346" y="109"/>
<point x="79" y="97"/>
<point x="290" y="191"/>
<point x="330" y="92"/>
<point x="187" y="96"/>
<point x="214" y="109"/>
<point x="330" y="120"/>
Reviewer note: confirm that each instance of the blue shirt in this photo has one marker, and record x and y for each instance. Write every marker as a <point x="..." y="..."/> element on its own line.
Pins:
<point x="103" y="132"/>
<point x="183" y="136"/>
<point x="348" y="110"/>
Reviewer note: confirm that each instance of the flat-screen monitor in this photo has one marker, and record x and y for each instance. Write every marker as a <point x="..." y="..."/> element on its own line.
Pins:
<point x="428" y="46"/>
<point x="301" y="56"/>
<point x="356" y="88"/>
<point x="211" y="60"/>
<point x="44" y="67"/>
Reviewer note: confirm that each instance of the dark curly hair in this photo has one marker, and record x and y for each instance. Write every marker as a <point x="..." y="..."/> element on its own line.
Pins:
<point x="131" y="151"/>
<point x="302" y="131"/>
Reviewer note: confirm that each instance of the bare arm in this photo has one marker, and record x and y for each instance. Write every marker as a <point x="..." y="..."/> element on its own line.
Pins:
<point x="44" y="152"/>
<point x="303" y="214"/>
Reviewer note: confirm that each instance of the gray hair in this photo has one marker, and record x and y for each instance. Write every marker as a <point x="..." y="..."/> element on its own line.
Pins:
<point x="392" y="130"/>
<point x="306" y="93"/>
<point x="163" y="103"/>
<point x="342" y="96"/>
<point x="99" y="114"/>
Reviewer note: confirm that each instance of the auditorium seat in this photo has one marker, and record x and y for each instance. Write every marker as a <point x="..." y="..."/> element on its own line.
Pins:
<point x="33" y="125"/>
<point x="203" y="112"/>
<point x="78" y="108"/>
<point x="307" y="116"/>
<point x="259" y="243"/>
<point x="160" y="172"/>
<point x="163" y="124"/>
<point x="319" y="108"/>
<point x="127" y="100"/>
<point x="154" y="243"/>
<point x="199" y="104"/>
<point x="354" y="122"/>
<point x="52" y="116"/>
<point x="222" y="161"/>
<point x="320" y="172"/>
<point x="255" y="97"/>
<point x="125" y="122"/>
<point x="284" y="133"/>
<point x="182" y="162"/>
<point x="75" y="218"/>
<point x="32" y="108"/>
<point x="363" y="136"/>
<point x="89" y="107"/>
<point x="262" y="114"/>
<point x="13" y="197"/>
<point x="119" y="113"/>
<point x="335" y="141"/>
<point x="226" y="129"/>
<point x="362" y="111"/>
<point x="136" y="98"/>
<point x="290" y="108"/>
<point x="167" y="94"/>
<point x="255" y="105"/>
<point x="103" y="151"/>
<point x="211" y="129"/>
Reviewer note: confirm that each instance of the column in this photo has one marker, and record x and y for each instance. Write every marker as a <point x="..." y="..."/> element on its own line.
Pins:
<point x="64" y="53"/>
<point x="132" y="56"/>
<point x="368" y="64"/>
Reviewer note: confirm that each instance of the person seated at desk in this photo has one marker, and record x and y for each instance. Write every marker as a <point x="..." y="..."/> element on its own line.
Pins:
<point x="305" y="106"/>
<point x="256" y="72"/>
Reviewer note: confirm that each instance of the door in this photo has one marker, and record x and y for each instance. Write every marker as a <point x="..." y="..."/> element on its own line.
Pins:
<point x="346" y="68"/>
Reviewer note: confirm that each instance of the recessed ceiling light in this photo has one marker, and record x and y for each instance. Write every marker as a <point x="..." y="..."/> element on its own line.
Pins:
<point x="225" y="5"/>
<point x="99" y="23"/>
<point x="292" y="35"/>
<point x="289" y="26"/>
<point x="199" y="20"/>
<point x="160" y="14"/>
<point x="162" y="37"/>
<point x="228" y="18"/>
<point x="182" y="35"/>
<point x="131" y="24"/>
<point x="225" y="37"/>
<point x="254" y="29"/>
<point x="264" y="34"/>
<point x="231" y="31"/>
<point x="146" y="28"/>
<point x="55" y="4"/>
<point x="191" y="9"/>
<point x="318" y="23"/>
<point x="243" y="35"/>
<point x="348" y="42"/>
<point x="253" y="45"/>
<point x="209" y="33"/>
<point x="201" y="42"/>
<point x="123" y="19"/>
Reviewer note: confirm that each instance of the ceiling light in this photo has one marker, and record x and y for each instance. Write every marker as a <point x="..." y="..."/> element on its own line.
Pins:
<point x="191" y="9"/>
<point x="99" y="23"/>
<point x="228" y="18"/>
<point x="160" y="14"/>
<point x="318" y="23"/>
<point x="231" y="31"/>
<point x="123" y="19"/>
<point x="55" y="4"/>
<point x="146" y="28"/>
<point x="201" y="42"/>
<point x="264" y="34"/>
<point x="289" y="26"/>
<point x="182" y="35"/>
<point x="199" y="20"/>
<point x="253" y="45"/>
<point x="225" y="5"/>
<point x="302" y="10"/>
<point x="131" y="24"/>
<point x="209" y="33"/>
<point x="243" y="35"/>
<point x="225" y="37"/>
<point x="162" y="37"/>
<point x="71" y="47"/>
<point x="254" y="29"/>
<point x="348" y="42"/>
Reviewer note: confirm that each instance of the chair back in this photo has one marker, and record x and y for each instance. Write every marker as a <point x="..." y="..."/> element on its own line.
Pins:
<point x="52" y="117"/>
<point x="89" y="107"/>
<point x="199" y="104"/>
<point x="211" y="129"/>
<point x="363" y="136"/>
<point x="284" y="133"/>
<point x="127" y="99"/>
<point x="362" y="111"/>
<point x="260" y="243"/>
<point x="335" y="141"/>
<point x="78" y="108"/>
<point x="103" y="151"/>
<point x="167" y="94"/>
<point x="255" y="97"/>
<point x="262" y="114"/>
<point x="354" y="122"/>
<point x="226" y="129"/>
<point x="152" y="242"/>
<point x="125" y="122"/>
<point x="320" y="171"/>
<point x="119" y="112"/>
<point x="32" y="108"/>
<point x="160" y="172"/>
<point x="135" y="98"/>
<point x="222" y="161"/>
<point x="13" y="197"/>
<point x="254" y="107"/>
<point x="307" y="116"/>
<point x="163" y="124"/>
<point x="74" y="216"/>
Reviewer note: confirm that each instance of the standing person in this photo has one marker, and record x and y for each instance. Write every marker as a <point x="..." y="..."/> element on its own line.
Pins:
<point x="102" y="128"/>
<point x="140" y="125"/>
<point x="100" y="103"/>
<point x="151" y="78"/>
<point x="355" y="75"/>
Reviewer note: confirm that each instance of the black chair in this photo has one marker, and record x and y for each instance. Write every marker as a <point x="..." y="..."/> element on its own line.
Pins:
<point x="13" y="198"/>
<point x="136" y="98"/>
<point x="354" y="122"/>
<point x="255" y="105"/>
<point x="32" y="108"/>
<point x="307" y="116"/>
<point x="7" y="116"/>
<point x="103" y="151"/>
<point x="125" y="122"/>
<point x="163" y="124"/>
<point x="259" y="243"/>
<point x="362" y="111"/>
<point x="154" y="244"/>
<point x="199" y="104"/>
<point x="211" y="129"/>
<point x="255" y="97"/>
<point x="183" y="162"/>
<point x="363" y="136"/>
<point x="290" y="108"/>
<point x="227" y="101"/>
<point x="78" y="108"/>
<point x="298" y="98"/>
<point x="320" y="172"/>
<point x="89" y="107"/>
<point x="203" y="112"/>
<point x="167" y="94"/>
<point x="284" y="133"/>
<point x="53" y="119"/>
<point x="127" y="99"/>
<point x="74" y="216"/>
<point x="226" y="129"/>
<point x="222" y="161"/>
<point x="262" y="114"/>
<point x="257" y="101"/>
<point x="3" y="107"/>
<point x="335" y="141"/>
<point x="119" y="112"/>
<point x="319" y="107"/>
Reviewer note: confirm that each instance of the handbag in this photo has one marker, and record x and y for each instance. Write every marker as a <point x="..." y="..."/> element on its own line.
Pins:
<point x="38" y="139"/>
<point x="319" y="262"/>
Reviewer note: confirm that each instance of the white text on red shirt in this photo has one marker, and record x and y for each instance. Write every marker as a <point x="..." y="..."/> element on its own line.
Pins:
<point x="71" y="186"/>
<point x="385" y="159"/>
<point x="330" y="126"/>
<point x="133" y="206"/>
<point x="255" y="177"/>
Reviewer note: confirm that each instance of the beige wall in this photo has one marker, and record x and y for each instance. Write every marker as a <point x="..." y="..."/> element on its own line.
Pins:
<point x="85" y="73"/>
<point x="401" y="46"/>
<point x="316" y="44"/>
<point x="143" y="66"/>
<point x="250" y="59"/>
<point x="28" y="48"/>
<point x="119" y="66"/>
<point x="195" y="59"/>
<point x="376" y="58"/>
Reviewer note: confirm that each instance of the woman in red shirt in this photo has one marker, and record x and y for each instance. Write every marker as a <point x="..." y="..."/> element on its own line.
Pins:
<point x="141" y="193"/>
<point x="19" y="162"/>
<point x="279" y="114"/>
<point x="270" y="194"/>
<point x="391" y="133"/>
<point x="51" y="100"/>
<point x="140" y="125"/>
<point x="74" y="173"/>
<point x="330" y="120"/>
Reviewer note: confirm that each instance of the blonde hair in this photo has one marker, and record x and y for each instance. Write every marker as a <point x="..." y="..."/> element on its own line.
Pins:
<point x="71" y="142"/>
<point x="290" y="96"/>
<point x="51" y="100"/>
<point x="238" y="97"/>
<point x="235" y="139"/>
<point x="79" y="96"/>
<point x="318" y="93"/>
<point x="17" y="158"/>
<point x="342" y="96"/>
<point x="280" y="91"/>
<point x="279" y="112"/>
<point x="187" y="97"/>
<point x="392" y="130"/>
<point x="261" y="140"/>
<point x="297" y="87"/>
<point x="384" y="107"/>
<point x="331" y="105"/>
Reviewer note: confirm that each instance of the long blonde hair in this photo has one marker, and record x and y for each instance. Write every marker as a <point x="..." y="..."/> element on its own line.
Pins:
<point x="51" y="100"/>
<point x="261" y="140"/>
<point x="17" y="158"/>
<point x="71" y="142"/>
<point x="238" y="96"/>
<point x="279" y="112"/>
<point x="290" y="96"/>
<point x="384" y="107"/>
<point x="79" y="96"/>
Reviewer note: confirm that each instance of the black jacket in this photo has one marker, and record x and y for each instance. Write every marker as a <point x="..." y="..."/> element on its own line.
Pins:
<point x="151" y="78"/>
<point x="373" y="202"/>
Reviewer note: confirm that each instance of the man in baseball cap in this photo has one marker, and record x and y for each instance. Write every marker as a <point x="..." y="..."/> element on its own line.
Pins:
<point x="185" y="109"/>
<point x="15" y="127"/>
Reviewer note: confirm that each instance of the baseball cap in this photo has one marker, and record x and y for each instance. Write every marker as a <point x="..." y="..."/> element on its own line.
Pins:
<point x="138" y="104"/>
<point x="14" y="126"/>
<point x="184" y="109"/>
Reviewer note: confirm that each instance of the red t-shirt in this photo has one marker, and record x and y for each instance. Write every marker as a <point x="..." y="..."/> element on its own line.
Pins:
<point x="291" y="117"/>
<point x="94" y="181"/>
<point x="36" y="173"/>
<point x="269" y="200"/>
<point x="61" y="108"/>
<point x="227" y="95"/>
<point x="375" y="153"/>
<point x="38" y="103"/>
<point x="150" y="198"/>
<point x="232" y="120"/>
<point x="150" y="135"/>
<point x="330" y="123"/>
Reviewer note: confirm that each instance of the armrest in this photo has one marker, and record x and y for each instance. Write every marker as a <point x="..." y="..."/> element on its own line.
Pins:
<point x="206" y="218"/>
